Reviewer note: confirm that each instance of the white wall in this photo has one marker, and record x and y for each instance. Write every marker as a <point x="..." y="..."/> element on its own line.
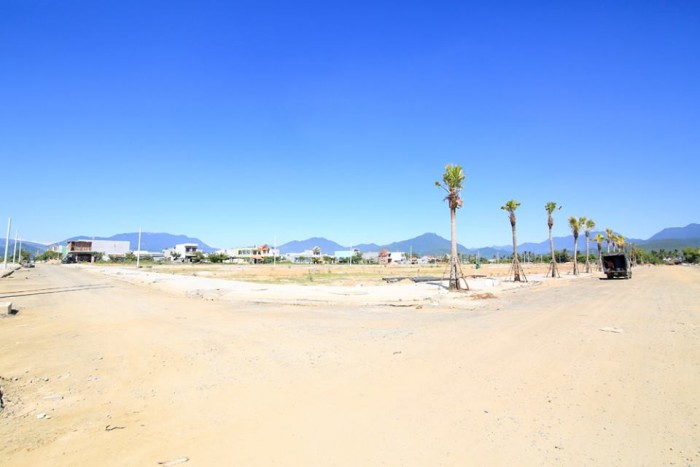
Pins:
<point x="111" y="247"/>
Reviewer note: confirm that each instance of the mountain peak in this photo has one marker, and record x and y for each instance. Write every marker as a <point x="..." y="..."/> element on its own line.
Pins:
<point x="689" y="231"/>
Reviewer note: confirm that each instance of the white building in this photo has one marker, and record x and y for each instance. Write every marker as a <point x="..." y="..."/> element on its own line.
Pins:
<point x="111" y="247"/>
<point x="251" y="254"/>
<point x="86" y="249"/>
<point x="371" y="257"/>
<point x="183" y="252"/>
<point x="313" y="255"/>
<point x="396" y="257"/>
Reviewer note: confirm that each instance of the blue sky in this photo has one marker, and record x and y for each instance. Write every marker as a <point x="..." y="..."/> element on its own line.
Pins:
<point x="251" y="122"/>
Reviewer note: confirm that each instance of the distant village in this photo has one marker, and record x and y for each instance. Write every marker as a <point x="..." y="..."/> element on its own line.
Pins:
<point x="86" y="250"/>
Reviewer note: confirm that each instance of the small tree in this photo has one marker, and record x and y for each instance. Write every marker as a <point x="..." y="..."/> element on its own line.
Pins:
<point x="357" y="257"/>
<point x="217" y="257"/>
<point x="198" y="257"/>
<point x="691" y="255"/>
<point x="564" y="256"/>
<point x="48" y="255"/>
<point x="24" y="256"/>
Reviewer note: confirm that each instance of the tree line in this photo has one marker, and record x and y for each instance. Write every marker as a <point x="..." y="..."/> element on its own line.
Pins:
<point x="453" y="183"/>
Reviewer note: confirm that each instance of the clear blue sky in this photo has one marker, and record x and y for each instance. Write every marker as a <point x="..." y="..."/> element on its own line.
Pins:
<point x="247" y="122"/>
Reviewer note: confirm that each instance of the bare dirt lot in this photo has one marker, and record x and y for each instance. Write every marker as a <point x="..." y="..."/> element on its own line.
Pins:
<point x="114" y="366"/>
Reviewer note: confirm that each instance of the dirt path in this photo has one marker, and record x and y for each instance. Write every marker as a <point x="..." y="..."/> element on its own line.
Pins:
<point x="571" y="372"/>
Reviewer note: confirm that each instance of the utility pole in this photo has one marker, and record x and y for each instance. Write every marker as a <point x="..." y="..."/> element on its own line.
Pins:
<point x="14" y="248"/>
<point x="7" y="242"/>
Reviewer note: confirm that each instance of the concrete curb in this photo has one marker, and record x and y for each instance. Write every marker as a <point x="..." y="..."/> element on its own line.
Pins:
<point x="10" y="269"/>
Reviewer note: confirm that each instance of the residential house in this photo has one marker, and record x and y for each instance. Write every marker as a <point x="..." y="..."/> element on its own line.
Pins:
<point x="251" y="254"/>
<point x="182" y="252"/>
<point x="384" y="257"/>
<point x="85" y="250"/>
<point x="313" y="255"/>
<point x="370" y="257"/>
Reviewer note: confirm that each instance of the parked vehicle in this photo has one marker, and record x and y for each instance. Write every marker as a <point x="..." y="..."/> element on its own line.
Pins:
<point x="617" y="265"/>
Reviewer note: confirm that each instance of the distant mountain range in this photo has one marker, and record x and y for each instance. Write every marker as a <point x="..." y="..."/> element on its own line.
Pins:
<point x="679" y="233"/>
<point x="298" y="246"/>
<point x="31" y="247"/>
<point x="433" y="244"/>
<point x="426" y="244"/>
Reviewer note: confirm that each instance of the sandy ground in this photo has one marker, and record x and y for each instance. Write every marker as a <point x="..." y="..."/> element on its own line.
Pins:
<point x="109" y="366"/>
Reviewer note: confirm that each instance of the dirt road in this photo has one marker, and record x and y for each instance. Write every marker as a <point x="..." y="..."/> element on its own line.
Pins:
<point x="98" y="370"/>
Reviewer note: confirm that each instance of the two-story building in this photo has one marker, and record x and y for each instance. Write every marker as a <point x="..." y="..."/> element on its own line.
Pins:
<point x="251" y="254"/>
<point x="182" y="252"/>
<point x="85" y="250"/>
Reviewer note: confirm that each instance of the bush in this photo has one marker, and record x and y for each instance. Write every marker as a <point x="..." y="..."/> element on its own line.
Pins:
<point x="691" y="255"/>
<point x="48" y="255"/>
<point x="217" y="257"/>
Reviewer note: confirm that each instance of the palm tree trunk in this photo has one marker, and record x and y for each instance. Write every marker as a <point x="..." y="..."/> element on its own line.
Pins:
<point x="516" y="269"/>
<point x="588" y="263"/>
<point x="551" y="248"/>
<point x="575" y="255"/>
<point x="454" y="276"/>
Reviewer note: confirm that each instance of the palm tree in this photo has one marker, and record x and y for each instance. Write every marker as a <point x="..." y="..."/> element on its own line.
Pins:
<point x="511" y="206"/>
<point x="634" y="252"/>
<point x="613" y="240"/>
<point x="609" y="234"/>
<point x="599" y="237"/>
<point x="621" y="242"/>
<point x="551" y="207"/>
<point x="589" y="225"/>
<point x="582" y="223"/>
<point x="452" y="183"/>
<point x="575" y="225"/>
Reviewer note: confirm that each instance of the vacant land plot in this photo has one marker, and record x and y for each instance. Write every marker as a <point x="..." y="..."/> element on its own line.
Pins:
<point x="334" y="274"/>
<point x="110" y="366"/>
